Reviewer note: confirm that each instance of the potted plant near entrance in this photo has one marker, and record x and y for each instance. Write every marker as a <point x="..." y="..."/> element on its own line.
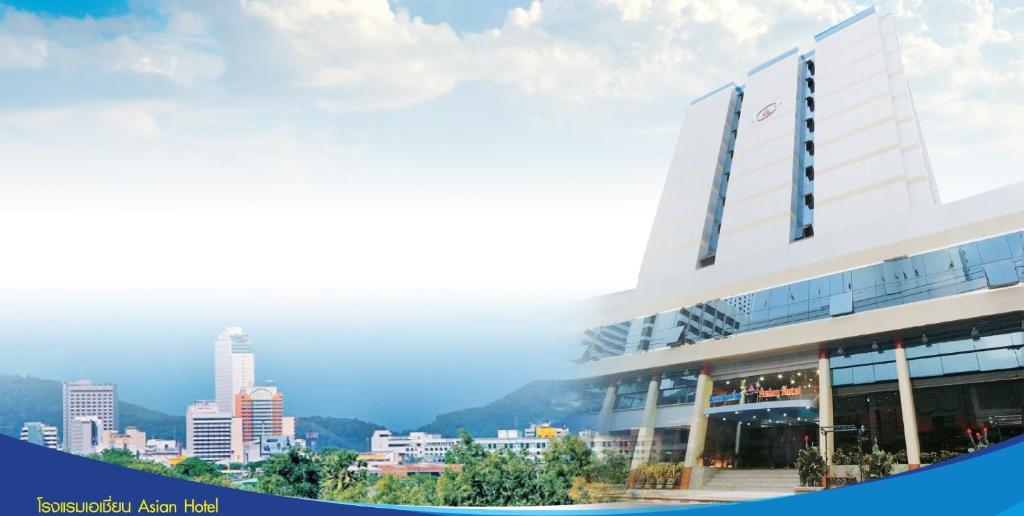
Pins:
<point x="641" y="477"/>
<point x="662" y="472"/>
<point x="876" y="464"/>
<point x="810" y="465"/>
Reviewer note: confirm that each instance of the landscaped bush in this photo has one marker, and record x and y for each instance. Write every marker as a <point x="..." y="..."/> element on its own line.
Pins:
<point x="843" y="456"/>
<point x="876" y="464"/>
<point x="810" y="465"/>
<point x="939" y="456"/>
<point x="660" y="475"/>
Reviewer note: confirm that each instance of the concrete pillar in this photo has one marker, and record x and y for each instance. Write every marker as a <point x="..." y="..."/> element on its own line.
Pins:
<point x="644" y="449"/>
<point x="825" y="406"/>
<point x="739" y="424"/>
<point x="907" y="406"/>
<point x="604" y="419"/>
<point x="698" y="425"/>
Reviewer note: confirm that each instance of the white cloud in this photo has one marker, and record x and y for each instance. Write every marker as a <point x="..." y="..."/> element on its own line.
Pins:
<point x="260" y="105"/>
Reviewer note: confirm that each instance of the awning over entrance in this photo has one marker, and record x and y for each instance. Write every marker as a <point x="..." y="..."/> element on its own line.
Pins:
<point x="770" y="412"/>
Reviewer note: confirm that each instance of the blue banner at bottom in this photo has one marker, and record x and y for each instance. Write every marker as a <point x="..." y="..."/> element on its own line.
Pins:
<point x="38" y="480"/>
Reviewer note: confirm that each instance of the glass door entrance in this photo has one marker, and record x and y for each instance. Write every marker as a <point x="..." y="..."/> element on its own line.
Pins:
<point x="771" y="447"/>
<point x="756" y="445"/>
<point x="761" y="421"/>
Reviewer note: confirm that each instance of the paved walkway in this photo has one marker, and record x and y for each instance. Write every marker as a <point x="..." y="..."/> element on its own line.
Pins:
<point x="698" y="495"/>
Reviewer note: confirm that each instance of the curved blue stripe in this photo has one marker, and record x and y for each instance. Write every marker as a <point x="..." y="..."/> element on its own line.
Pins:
<point x="985" y="482"/>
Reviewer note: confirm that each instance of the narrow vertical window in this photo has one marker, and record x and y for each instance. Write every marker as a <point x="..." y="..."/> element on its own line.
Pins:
<point x="716" y="202"/>
<point x="802" y="225"/>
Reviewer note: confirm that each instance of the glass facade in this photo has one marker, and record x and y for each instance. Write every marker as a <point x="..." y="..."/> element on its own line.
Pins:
<point x="990" y="263"/>
<point x="632" y="392"/>
<point x="957" y="351"/>
<point x="946" y="413"/>
<point x="678" y="387"/>
<point x="877" y="413"/>
<point x="959" y="372"/>
<point x="584" y="398"/>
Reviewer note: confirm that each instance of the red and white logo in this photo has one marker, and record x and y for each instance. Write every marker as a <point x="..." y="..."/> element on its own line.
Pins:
<point x="767" y="111"/>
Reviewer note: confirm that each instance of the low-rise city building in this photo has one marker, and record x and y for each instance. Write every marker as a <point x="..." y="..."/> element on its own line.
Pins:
<point x="433" y="448"/>
<point x="604" y="444"/>
<point x="133" y="440"/>
<point x="39" y="433"/>
<point x="545" y="430"/>
<point x="164" y="451"/>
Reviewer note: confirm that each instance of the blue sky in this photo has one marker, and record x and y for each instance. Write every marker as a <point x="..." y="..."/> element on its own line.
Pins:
<point x="378" y="191"/>
<point x="73" y="8"/>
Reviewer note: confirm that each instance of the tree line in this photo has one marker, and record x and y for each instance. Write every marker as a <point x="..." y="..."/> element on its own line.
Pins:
<point x="569" y="473"/>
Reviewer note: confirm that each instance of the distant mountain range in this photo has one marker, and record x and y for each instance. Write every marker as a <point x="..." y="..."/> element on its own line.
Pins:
<point x="28" y="398"/>
<point x="534" y="402"/>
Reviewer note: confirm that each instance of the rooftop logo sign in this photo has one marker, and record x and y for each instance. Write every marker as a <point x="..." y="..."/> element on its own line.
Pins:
<point x="766" y="111"/>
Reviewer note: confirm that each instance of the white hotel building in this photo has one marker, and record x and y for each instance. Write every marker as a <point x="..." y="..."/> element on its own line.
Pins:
<point x="84" y="399"/>
<point x="433" y="448"/>
<point x="803" y="273"/>
<point x="211" y="434"/>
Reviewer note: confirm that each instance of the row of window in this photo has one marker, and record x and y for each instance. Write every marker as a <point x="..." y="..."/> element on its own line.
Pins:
<point x="674" y="388"/>
<point x="990" y="263"/>
<point x="957" y="354"/>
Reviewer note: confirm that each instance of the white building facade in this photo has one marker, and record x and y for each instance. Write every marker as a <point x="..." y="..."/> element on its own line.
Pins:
<point x="234" y="366"/>
<point x="84" y="399"/>
<point x="208" y="432"/>
<point x="132" y="440"/>
<point x="433" y="448"/>
<point x="40" y="434"/>
<point x="802" y="273"/>
<point x="83" y="435"/>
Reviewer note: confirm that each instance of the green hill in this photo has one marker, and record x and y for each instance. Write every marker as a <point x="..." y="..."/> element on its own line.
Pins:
<point x="353" y="434"/>
<point x="27" y="398"/>
<point x="535" y="402"/>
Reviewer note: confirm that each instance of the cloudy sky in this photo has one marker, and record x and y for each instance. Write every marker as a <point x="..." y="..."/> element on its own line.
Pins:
<point x="393" y="197"/>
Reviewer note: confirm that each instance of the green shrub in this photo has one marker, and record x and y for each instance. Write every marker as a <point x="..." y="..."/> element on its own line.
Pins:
<point x="810" y="465"/>
<point x="876" y="464"/>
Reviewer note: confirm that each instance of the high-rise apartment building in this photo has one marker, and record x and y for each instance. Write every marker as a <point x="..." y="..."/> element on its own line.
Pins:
<point x="261" y="410"/>
<point x="234" y="366"/>
<point x="83" y="398"/>
<point x="833" y="288"/>
<point x="39" y="433"/>
<point x="208" y="431"/>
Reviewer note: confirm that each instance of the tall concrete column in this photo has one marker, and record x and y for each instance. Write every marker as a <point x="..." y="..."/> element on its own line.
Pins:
<point x="698" y="425"/>
<point x="907" y="406"/>
<point x="739" y="424"/>
<point x="825" y="406"/>
<point x="604" y="419"/>
<point x="644" y="449"/>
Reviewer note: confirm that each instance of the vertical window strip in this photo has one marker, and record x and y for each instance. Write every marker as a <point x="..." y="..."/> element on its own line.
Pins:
<point x="802" y="216"/>
<point x="716" y="202"/>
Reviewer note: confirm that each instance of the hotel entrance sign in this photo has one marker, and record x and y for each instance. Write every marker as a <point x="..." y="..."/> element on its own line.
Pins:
<point x="784" y="392"/>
